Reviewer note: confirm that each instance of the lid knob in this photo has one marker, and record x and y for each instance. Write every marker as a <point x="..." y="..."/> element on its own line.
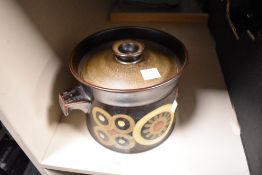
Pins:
<point x="128" y="51"/>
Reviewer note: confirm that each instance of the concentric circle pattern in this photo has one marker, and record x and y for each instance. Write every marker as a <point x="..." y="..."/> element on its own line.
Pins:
<point x="123" y="123"/>
<point x="103" y="136"/>
<point x="102" y="118"/>
<point x="124" y="141"/>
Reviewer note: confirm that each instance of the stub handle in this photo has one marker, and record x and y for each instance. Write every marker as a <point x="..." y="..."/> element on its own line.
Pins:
<point x="77" y="98"/>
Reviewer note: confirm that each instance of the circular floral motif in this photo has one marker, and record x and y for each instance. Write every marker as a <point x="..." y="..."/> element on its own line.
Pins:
<point x="156" y="126"/>
<point x="153" y="127"/>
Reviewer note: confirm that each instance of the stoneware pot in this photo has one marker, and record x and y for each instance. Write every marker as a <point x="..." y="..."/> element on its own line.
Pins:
<point x="128" y="79"/>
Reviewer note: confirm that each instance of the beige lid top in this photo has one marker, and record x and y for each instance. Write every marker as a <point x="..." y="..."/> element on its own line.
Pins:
<point x="128" y="64"/>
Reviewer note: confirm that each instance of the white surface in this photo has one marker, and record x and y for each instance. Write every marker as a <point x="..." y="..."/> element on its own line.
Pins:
<point x="55" y="172"/>
<point x="27" y="73"/>
<point x="149" y="74"/>
<point x="174" y="106"/>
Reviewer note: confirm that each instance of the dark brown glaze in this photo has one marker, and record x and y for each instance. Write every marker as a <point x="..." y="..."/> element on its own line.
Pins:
<point x="106" y="128"/>
<point x="136" y="33"/>
<point x="102" y="69"/>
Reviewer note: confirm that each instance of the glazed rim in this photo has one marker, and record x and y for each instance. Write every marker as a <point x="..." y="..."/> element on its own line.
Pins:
<point x="95" y="39"/>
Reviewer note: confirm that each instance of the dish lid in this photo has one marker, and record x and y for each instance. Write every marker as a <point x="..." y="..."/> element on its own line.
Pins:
<point x="128" y="64"/>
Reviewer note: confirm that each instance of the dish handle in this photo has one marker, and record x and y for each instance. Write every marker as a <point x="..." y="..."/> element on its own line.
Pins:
<point x="78" y="98"/>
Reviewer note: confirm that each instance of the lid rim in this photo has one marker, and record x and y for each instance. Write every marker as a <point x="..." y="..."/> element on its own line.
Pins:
<point x="173" y="78"/>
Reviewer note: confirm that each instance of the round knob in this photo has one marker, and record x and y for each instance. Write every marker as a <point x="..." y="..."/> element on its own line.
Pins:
<point x="128" y="51"/>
